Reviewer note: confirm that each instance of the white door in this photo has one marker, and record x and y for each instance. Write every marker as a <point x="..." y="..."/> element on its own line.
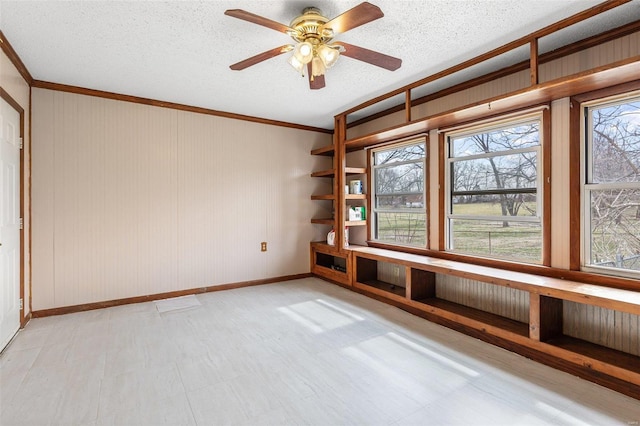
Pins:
<point x="9" y="222"/>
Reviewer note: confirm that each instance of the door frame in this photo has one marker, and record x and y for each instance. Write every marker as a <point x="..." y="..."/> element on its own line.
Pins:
<point x="16" y="106"/>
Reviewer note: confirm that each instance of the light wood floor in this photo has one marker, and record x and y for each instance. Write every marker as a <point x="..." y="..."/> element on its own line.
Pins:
<point x="298" y="352"/>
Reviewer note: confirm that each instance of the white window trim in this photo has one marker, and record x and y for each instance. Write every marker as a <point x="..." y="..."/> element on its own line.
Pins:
<point x="586" y="188"/>
<point x="487" y="126"/>
<point x="374" y="167"/>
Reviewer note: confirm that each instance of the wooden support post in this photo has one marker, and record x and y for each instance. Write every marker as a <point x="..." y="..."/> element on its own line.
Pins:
<point x="339" y="180"/>
<point x="533" y="62"/>
<point x="407" y="106"/>
<point x="545" y="317"/>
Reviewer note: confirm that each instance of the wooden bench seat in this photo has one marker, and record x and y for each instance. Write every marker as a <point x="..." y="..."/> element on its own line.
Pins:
<point x="541" y="338"/>
<point x="605" y="297"/>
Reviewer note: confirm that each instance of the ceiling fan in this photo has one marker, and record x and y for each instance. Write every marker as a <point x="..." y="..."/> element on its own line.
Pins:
<point x="314" y="48"/>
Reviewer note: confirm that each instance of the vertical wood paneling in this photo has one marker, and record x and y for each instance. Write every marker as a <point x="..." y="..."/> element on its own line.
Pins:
<point x="121" y="190"/>
<point x="140" y="200"/>
<point x="43" y="202"/>
<point x="613" y="329"/>
<point x="606" y="53"/>
<point x="157" y="174"/>
<point x="86" y="216"/>
<point x="387" y="273"/>
<point x="621" y="48"/>
<point x="499" y="300"/>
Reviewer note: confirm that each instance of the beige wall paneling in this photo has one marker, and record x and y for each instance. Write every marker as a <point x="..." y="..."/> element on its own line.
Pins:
<point x="560" y="183"/>
<point x="613" y="329"/>
<point x="392" y="273"/>
<point x="499" y="300"/>
<point x="622" y="48"/>
<point x="43" y="200"/>
<point x="391" y="120"/>
<point x="13" y="83"/>
<point x="133" y="200"/>
<point x="510" y="83"/>
<point x="606" y="53"/>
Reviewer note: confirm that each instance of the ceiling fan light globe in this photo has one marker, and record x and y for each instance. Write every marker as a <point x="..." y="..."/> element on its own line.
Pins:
<point x="328" y="55"/>
<point x="296" y="64"/>
<point x="303" y="52"/>
<point x="317" y="67"/>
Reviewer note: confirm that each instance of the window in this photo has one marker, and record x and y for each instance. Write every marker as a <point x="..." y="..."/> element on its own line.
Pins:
<point x="399" y="202"/>
<point x="611" y="189"/>
<point x="494" y="200"/>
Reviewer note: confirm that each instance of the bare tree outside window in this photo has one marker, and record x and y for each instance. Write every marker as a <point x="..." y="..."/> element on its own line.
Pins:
<point x="493" y="191"/>
<point x="398" y="201"/>
<point x="612" y="188"/>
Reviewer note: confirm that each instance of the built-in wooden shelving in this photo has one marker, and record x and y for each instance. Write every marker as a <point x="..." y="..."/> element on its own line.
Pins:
<point x="323" y="197"/>
<point x="355" y="196"/>
<point x="355" y="223"/>
<point x="328" y="150"/>
<point x="324" y="173"/>
<point x="325" y="221"/>
<point x="331" y="173"/>
<point x="543" y="332"/>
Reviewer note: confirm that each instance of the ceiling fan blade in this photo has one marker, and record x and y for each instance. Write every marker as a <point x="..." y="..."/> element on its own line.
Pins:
<point x="317" y="82"/>
<point x="352" y="18"/>
<point x="261" y="57"/>
<point x="370" y="56"/>
<point x="260" y="20"/>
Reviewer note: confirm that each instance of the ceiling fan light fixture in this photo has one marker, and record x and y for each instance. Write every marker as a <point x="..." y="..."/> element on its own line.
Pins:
<point x="328" y="54"/>
<point x="317" y="67"/>
<point x="295" y="63"/>
<point x="303" y="52"/>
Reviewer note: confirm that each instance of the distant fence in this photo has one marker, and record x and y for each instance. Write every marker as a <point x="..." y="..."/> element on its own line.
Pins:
<point x="629" y="262"/>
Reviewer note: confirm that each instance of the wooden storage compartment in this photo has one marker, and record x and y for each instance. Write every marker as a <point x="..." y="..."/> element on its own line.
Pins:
<point x="613" y="341"/>
<point x="423" y="291"/>
<point x="600" y="353"/>
<point x="332" y="262"/>
<point x="367" y="278"/>
<point x="328" y="262"/>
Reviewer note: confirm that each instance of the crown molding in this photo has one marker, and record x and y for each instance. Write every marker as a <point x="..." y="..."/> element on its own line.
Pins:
<point x="15" y="59"/>
<point x="162" y="104"/>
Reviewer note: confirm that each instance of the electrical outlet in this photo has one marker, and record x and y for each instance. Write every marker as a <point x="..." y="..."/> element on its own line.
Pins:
<point x="396" y="271"/>
<point x="263" y="246"/>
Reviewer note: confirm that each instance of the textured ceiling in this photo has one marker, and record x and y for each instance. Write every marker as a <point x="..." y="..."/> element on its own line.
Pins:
<point x="180" y="51"/>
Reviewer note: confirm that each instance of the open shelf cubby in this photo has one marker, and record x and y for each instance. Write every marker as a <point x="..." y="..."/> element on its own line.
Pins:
<point x="328" y="262"/>
<point x="369" y="278"/>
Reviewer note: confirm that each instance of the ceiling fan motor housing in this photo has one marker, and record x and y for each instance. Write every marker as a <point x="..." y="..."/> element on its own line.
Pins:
<point x="308" y="27"/>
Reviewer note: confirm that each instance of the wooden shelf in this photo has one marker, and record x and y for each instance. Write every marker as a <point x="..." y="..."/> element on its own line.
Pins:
<point x="355" y="170"/>
<point x="355" y="196"/>
<point x="331" y="173"/>
<point x="323" y="197"/>
<point x="606" y="355"/>
<point x="327" y="221"/>
<point x="328" y="150"/>
<point x="387" y="287"/>
<point x="458" y="313"/>
<point x="324" y="173"/>
<point x="355" y="223"/>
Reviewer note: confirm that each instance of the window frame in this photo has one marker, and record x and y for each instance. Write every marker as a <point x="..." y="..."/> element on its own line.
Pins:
<point x="374" y="210"/>
<point x="540" y="115"/>
<point x="586" y="187"/>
